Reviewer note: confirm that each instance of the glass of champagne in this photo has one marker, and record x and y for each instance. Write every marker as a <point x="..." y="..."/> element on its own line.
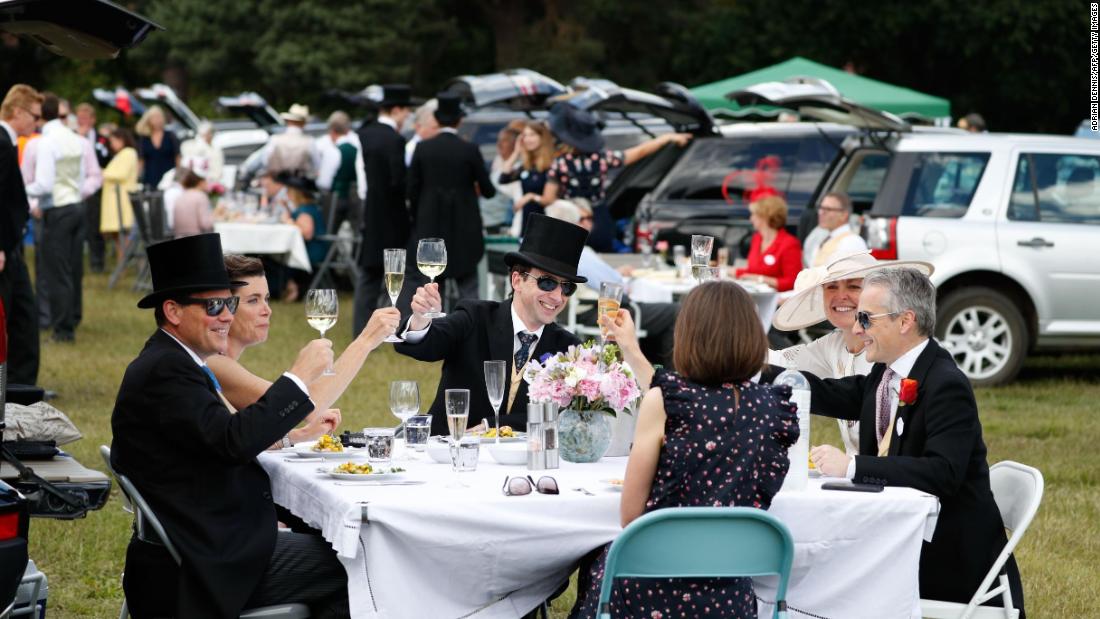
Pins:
<point x="611" y="296"/>
<point x="701" y="247"/>
<point x="494" y="386"/>
<point x="404" y="403"/>
<point x="322" y="308"/>
<point x="431" y="259"/>
<point x="394" y="263"/>
<point x="457" y="405"/>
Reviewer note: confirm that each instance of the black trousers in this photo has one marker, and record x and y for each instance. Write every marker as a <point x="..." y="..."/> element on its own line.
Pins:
<point x="97" y="247"/>
<point x="22" y="316"/>
<point x="63" y="266"/>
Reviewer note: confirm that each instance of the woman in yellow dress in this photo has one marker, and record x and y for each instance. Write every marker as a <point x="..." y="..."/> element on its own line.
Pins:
<point x="120" y="177"/>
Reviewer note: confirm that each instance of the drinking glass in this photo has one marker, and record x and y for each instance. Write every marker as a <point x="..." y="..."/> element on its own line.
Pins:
<point x="379" y="444"/>
<point x="431" y="259"/>
<point x="322" y="308"/>
<point x="394" y="263"/>
<point x="707" y="274"/>
<point x="611" y="296"/>
<point x="404" y="403"/>
<point x="494" y="387"/>
<point x="417" y="430"/>
<point x="701" y="247"/>
<point x="457" y="405"/>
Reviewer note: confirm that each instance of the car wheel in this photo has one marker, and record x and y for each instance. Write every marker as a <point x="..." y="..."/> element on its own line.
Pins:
<point x="985" y="333"/>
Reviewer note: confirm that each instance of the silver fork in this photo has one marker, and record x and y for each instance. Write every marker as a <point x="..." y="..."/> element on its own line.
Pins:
<point x="586" y="492"/>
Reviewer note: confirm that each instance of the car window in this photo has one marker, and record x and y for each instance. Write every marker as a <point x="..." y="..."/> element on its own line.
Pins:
<point x="943" y="184"/>
<point x="867" y="180"/>
<point x="1056" y="188"/>
<point x="741" y="163"/>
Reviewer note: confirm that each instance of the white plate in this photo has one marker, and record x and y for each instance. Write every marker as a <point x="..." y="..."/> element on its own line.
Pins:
<point x="440" y="451"/>
<point x="507" y="452"/>
<point x="520" y="437"/>
<point x="305" y="450"/>
<point x="615" y="484"/>
<point x="365" y="477"/>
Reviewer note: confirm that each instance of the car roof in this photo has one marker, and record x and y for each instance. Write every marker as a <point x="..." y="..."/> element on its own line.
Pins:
<point x="991" y="141"/>
<point x="783" y="129"/>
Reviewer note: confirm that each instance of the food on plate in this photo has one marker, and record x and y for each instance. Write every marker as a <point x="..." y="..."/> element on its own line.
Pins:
<point x="328" y="443"/>
<point x="505" y="432"/>
<point x="614" y="481"/>
<point x="354" y="468"/>
<point x="812" y="464"/>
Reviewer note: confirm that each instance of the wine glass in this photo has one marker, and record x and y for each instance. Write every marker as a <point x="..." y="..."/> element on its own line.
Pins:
<point x="322" y="308"/>
<point x="457" y="404"/>
<point x="494" y="386"/>
<point x="431" y="259"/>
<point x="404" y="403"/>
<point x="394" y="263"/>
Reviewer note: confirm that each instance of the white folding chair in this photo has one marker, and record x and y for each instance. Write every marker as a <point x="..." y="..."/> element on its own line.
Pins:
<point x="146" y="523"/>
<point x="1018" y="490"/>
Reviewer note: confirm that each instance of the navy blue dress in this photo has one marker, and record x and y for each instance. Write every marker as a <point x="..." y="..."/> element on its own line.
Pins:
<point x="157" y="162"/>
<point x="723" y="446"/>
<point x="530" y="181"/>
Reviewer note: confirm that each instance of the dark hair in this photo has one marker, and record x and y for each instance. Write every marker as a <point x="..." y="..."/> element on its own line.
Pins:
<point x="190" y="179"/>
<point x="718" y="337"/>
<point x="51" y="105"/>
<point x="239" y="267"/>
<point x="974" y="121"/>
<point x="125" y="136"/>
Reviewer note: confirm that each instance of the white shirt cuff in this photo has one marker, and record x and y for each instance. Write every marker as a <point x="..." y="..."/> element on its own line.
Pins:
<point x="851" y="474"/>
<point x="298" y="381"/>
<point x="414" y="337"/>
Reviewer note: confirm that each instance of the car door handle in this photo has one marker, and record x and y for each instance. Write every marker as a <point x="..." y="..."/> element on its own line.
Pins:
<point x="1035" y="242"/>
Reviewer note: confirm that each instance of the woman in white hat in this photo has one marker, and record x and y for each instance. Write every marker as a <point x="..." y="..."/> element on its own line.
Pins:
<point x="831" y="292"/>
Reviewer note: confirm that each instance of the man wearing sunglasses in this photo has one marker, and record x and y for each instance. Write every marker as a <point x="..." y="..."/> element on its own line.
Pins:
<point x="543" y="276"/>
<point x="194" y="461"/>
<point x="919" y="428"/>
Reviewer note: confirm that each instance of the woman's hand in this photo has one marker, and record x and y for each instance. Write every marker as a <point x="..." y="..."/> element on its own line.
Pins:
<point x="680" y="139"/>
<point x="621" y="329"/>
<point x="383" y="323"/>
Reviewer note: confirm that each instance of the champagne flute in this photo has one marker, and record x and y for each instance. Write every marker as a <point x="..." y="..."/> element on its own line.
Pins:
<point x="404" y="403"/>
<point x="431" y="259"/>
<point x="457" y="404"/>
<point x="494" y="386"/>
<point x="322" y="308"/>
<point x="394" y="263"/>
<point x="611" y="296"/>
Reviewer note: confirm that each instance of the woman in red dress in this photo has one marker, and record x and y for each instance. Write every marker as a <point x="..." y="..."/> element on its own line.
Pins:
<point x="775" y="256"/>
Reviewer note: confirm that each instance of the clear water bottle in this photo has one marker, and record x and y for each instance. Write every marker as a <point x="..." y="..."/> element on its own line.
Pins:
<point x="799" y="453"/>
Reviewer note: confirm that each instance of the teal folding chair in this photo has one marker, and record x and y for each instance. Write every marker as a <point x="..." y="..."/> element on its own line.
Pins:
<point x="701" y="542"/>
<point x="145" y="521"/>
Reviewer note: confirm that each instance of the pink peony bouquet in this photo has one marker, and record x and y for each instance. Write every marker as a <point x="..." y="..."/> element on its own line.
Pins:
<point x="575" y="379"/>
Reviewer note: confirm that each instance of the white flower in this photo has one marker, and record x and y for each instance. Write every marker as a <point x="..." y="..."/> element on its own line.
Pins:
<point x="574" y="375"/>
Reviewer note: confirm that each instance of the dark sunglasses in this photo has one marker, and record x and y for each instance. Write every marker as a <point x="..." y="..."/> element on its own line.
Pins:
<point x="864" y="319"/>
<point x="214" y="306"/>
<point x="36" y="117"/>
<point x="521" y="485"/>
<point x="548" y="284"/>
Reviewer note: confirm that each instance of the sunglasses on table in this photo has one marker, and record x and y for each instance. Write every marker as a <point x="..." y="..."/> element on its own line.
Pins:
<point x="548" y="284"/>
<point x="521" y="485"/>
<point x="864" y="319"/>
<point x="214" y="305"/>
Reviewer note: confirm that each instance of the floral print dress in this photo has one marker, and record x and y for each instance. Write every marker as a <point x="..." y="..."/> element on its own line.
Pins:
<point x="723" y="446"/>
<point x="584" y="175"/>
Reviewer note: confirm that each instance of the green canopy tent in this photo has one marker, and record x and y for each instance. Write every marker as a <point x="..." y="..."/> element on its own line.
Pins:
<point x="904" y="102"/>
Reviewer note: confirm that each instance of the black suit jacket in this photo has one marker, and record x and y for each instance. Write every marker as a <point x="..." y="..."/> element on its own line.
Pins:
<point x="478" y="331"/>
<point x="14" y="209"/>
<point x="442" y="179"/>
<point x="195" y="464"/>
<point x="385" y="215"/>
<point x="939" y="451"/>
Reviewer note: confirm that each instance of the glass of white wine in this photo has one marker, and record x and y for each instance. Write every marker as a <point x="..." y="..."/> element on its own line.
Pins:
<point x="322" y="308"/>
<point x="393" y="261"/>
<point x="431" y="259"/>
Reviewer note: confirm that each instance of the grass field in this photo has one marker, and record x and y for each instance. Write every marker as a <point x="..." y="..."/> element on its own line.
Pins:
<point x="1047" y="418"/>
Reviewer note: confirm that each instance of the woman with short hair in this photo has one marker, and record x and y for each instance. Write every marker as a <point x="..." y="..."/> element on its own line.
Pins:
<point x="775" y="256"/>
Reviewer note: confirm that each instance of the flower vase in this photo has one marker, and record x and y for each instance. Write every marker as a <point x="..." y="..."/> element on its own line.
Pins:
<point x="583" y="436"/>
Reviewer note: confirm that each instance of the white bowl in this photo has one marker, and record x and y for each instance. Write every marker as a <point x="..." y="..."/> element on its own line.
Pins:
<point x="507" y="453"/>
<point x="439" y="450"/>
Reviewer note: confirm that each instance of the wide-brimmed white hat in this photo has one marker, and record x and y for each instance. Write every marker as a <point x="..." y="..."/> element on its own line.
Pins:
<point x="807" y="306"/>
<point x="296" y="113"/>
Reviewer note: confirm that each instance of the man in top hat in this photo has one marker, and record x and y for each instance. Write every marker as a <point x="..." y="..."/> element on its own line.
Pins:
<point x="445" y="178"/>
<point x="292" y="150"/>
<point x="194" y="461"/>
<point x="543" y="275"/>
<point x="385" y="215"/>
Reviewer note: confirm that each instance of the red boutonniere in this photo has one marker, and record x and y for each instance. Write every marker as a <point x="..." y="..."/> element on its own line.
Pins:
<point x="907" y="395"/>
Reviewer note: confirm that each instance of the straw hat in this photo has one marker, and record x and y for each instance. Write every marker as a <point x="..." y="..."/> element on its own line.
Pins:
<point x="807" y="306"/>
<point x="296" y="113"/>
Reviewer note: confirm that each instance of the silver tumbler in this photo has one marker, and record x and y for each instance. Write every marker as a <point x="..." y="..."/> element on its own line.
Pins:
<point x="550" y="434"/>
<point x="536" y="454"/>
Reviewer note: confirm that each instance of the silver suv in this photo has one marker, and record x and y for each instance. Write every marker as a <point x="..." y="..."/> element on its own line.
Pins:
<point x="1011" y="222"/>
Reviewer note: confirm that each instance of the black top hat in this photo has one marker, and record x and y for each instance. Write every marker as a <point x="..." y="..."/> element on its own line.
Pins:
<point x="576" y="127"/>
<point x="552" y="245"/>
<point x="449" y="108"/>
<point x="297" y="181"/>
<point x="188" y="264"/>
<point x="396" y="95"/>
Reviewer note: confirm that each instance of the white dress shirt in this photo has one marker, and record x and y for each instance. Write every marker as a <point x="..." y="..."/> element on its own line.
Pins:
<point x="330" y="163"/>
<point x="65" y="166"/>
<point x="850" y="244"/>
<point x="901" y="367"/>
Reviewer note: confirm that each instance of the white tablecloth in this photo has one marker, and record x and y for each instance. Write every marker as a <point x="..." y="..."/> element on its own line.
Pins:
<point x="438" y="551"/>
<point x="665" y="289"/>
<point x="283" y="240"/>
